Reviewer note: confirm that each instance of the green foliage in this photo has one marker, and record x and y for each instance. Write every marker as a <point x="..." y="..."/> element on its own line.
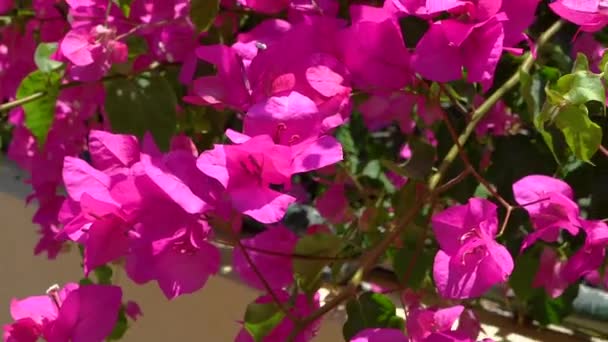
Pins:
<point x="308" y="271"/>
<point x="40" y="113"/>
<point x="412" y="266"/>
<point x="370" y="310"/>
<point x="42" y="57"/>
<point x="104" y="275"/>
<point x="423" y="157"/>
<point x="203" y="12"/>
<point x="146" y="103"/>
<point x="566" y="110"/>
<point x="547" y="310"/>
<point x="261" y="319"/>
<point x="121" y="327"/>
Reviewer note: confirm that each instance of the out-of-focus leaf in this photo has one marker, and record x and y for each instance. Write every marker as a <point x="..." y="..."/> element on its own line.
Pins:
<point x="203" y="13"/>
<point x="423" y="157"/>
<point x="370" y="310"/>
<point x="40" y="113"/>
<point x="261" y="319"/>
<point x="42" y="57"/>
<point x="411" y="273"/>
<point x="520" y="281"/>
<point x="547" y="310"/>
<point x="144" y="104"/>
<point x="319" y="245"/>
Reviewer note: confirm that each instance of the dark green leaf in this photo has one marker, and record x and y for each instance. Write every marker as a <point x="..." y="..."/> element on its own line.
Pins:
<point x="583" y="136"/>
<point x="42" y="57"/>
<point x="370" y="310"/>
<point x="39" y="113"/>
<point x="144" y="104"/>
<point x="120" y="328"/>
<point x="405" y="198"/>
<point x="319" y="245"/>
<point x="261" y="319"/>
<point x="203" y="13"/>
<point x="423" y="157"/>
<point x="520" y="281"/>
<point x="604" y="65"/>
<point x="547" y="310"/>
<point x="104" y="274"/>
<point x="411" y="270"/>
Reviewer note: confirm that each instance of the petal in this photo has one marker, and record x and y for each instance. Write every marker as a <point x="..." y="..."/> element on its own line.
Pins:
<point x="314" y="154"/>
<point x="183" y="273"/>
<point x="106" y="241"/>
<point x="88" y="314"/>
<point x="109" y="151"/>
<point x="277" y="269"/>
<point x="380" y="335"/>
<point x="435" y="59"/>
<point x="262" y="204"/>
<point x="80" y="177"/>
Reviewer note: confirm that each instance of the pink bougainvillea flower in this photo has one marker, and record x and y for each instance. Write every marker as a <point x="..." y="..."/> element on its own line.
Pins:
<point x="451" y="45"/>
<point x="333" y="204"/>
<point x="425" y="8"/>
<point x="374" y="52"/>
<point x="181" y="263"/>
<point x="586" y="44"/>
<point x="380" y="335"/>
<point x="470" y="261"/>
<point x="228" y="87"/>
<point x="265" y="6"/>
<point x="78" y="314"/>
<point x="550" y="274"/>
<point x="591" y="15"/>
<point x="5" y="5"/>
<point x="92" y="51"/>
<point x="265" y="34"/>
<point x="246" y="172"/>
<point x="549" y="202"/>
<point x="275" y="265"/>
<point x="499" y="121"/>
<point x="423" y="324"/>
<point x="295" y="121"/>
<point x="590" y="257"/>
<point x="110" y="152"/>
<point x="301" y="307"/>
<point x="133" y="310"/>
<point x="521" y="14"/>
<point x="379" y="111"/>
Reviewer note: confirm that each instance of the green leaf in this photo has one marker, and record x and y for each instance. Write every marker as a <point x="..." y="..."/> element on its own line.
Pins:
<point x="529" y="88"/>
<point x="547" y="310"/>
<point x="104" y="275"/>
<point x="415" y="270"/>
<point x="370" y="310"/>
<point x="40" y="113"/>
<point x="203" y="13"/>
<point x="261" y="319"/>
<point x="604" y="65"/>
<point x="405" y="198"/>
<point x="144" y="104"/>
<point x="423" y="157"/>
<point x="120" y="328"/>
<point x="583" y="136"/>
<point x="42" y="57"/>
<point x="581" y="87"/>
<point x="319" y="245"/>
<point x="521" y="279"/>
<point x="581" y="63"/>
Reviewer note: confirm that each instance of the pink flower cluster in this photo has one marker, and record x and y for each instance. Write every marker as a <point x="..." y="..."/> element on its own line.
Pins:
<point x="292" y="81"/>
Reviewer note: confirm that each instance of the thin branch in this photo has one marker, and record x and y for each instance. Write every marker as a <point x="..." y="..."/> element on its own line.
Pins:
<point x="454" y="181"/>
<point x="482" y="110"/>
<point x="267" y="286"/>
<point x="35" y="96"/>
<point x="286" y="255"/>
<point x="506" y="221"/>
<point x="469" y="166"/>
